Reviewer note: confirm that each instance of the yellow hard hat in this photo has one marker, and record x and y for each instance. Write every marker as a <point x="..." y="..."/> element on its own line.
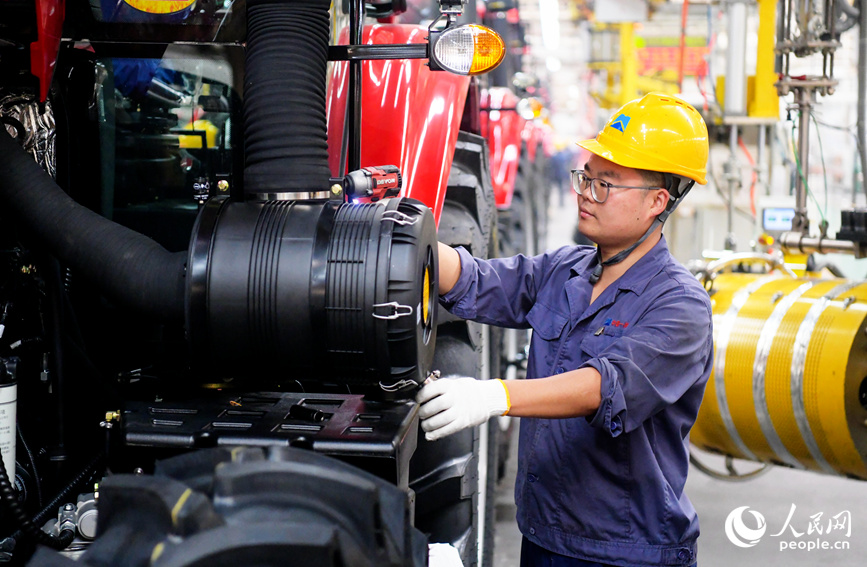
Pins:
<point x="658" y="133"/>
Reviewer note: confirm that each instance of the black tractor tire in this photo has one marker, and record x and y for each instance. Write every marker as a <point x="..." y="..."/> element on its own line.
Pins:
<point x="226" y="507"/>
<point x="520" y="228"/>
<point x="541" y="197"/>
<point x="454" y="478"/>
<point x="451" y="477"/>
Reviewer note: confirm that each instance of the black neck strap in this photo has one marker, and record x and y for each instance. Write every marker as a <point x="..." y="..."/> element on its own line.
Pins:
<point x="663" y="216"/>
<point x="622" y="255"/>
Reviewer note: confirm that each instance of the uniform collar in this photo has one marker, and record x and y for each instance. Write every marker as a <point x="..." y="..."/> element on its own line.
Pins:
<point x="585" y="263"/>
<point x="636" y="277"/>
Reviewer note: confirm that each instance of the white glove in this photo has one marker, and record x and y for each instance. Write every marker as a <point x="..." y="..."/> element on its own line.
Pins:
<point x="451" y="404"/>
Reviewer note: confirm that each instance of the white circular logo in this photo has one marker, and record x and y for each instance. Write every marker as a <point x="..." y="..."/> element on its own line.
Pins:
<point x="738" y="533"/>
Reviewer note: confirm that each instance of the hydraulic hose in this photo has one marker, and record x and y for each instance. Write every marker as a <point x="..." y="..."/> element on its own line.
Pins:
<point x="9" y="500"/>
<point x="285" y="139"/>
<point x="131" y="268"/>
<point x="51" y="508"/>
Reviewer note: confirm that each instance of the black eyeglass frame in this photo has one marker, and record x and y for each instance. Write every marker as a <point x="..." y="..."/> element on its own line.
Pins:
<point x="594" y="182"/>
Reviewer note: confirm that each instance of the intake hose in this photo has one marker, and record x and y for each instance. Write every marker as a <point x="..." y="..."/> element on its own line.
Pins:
<point x="286" y="148"/>
<point x="130" y="268"/>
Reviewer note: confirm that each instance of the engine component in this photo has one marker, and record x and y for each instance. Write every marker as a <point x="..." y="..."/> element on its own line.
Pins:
<point x="327" y="290"/>
<point x="376" y="435"/>
<point x="86" y="515"/>
<point x="237" y="506"/>
<point x="790" y="378"/>
<point x="8" y="406"/>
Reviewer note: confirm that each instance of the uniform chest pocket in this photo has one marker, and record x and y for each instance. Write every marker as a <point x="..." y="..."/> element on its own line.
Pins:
<point x="598" y="341"/>
<point x="546" y="323"/>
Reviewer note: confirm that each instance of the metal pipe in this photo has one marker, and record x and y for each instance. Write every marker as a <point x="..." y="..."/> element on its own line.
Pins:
<point x="733" y="179"/>
<point x="356" y="27"/>
<point x="785" y="36"/>
<point x="798" y="243"/>
<point x="862" y="95"/>
<point x="772" y="261"/>
<point x="760" y="171"/>
<point x="760" y="156"/>
<point x="735" y="87"/>
<point x="800" y="222"/>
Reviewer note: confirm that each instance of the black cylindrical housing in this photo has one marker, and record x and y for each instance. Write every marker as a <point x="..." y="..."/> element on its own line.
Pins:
<point x="314" y="290"/>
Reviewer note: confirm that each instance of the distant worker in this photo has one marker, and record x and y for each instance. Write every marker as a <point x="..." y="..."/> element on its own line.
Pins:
<point x="559" y="166"/>
<point x="619" y="359"/>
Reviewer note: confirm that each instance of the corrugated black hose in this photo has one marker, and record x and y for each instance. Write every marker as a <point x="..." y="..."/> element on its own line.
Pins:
<point x="285" y="140"/>
<point x="130" y="268"/>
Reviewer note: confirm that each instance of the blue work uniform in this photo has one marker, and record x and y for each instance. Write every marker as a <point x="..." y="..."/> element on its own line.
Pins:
<point x="608" y="487"/>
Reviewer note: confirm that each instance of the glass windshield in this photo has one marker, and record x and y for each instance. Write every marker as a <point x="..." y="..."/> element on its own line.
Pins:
<point x="167" y="129"/>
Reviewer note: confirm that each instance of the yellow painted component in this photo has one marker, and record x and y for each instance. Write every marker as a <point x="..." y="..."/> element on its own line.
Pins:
<point x="764" y="102"/>
<point x="628" y="62"/>
<point x="835" y="368"/>
<point x="710" y="430"/>
<point x="665" y="83"/>
<point x="720" y="89"/>
<point x="740" y="358"/>
<point x="179" y="505"/>
<point x="775" y="333"/>
<point x="797" y="263"/>
<point x="157" y="551"/>
<point x="195" y="141"/>
<point x="778" y="376"/>
<point x="425" y="299"/>
<point x="160" y="6"/>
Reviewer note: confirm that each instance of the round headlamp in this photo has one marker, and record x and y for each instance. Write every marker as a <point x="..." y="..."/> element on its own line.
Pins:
<point x="469" y="50"/>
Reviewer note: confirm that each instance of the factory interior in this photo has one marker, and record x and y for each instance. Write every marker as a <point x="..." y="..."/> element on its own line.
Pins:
<point x="786" y="112"/>
<point x="219" y="228"/>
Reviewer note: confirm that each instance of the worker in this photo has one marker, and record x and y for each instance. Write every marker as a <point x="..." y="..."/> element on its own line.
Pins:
<point x="621" y="351"/>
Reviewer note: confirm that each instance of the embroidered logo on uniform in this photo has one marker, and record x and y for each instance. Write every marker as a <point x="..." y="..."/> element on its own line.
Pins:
<point x="620" y="122"/>
<point x="616" y="323"/>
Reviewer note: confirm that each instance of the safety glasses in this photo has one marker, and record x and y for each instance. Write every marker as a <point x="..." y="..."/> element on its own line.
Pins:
<point x="599" y="189"/>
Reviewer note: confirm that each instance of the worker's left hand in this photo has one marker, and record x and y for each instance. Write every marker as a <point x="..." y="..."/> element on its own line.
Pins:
<point x="449" y="405"/>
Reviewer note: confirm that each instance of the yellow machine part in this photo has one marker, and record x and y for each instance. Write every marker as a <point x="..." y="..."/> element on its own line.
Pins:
<point x="790" y="370"/>
<point x="189" y="141"/>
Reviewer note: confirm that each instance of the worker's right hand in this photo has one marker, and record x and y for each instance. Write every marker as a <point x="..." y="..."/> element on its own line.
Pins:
<point x="451" y="404"/>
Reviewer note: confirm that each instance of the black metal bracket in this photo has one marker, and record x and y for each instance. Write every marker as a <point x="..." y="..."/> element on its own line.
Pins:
<point x="368" y="52"/>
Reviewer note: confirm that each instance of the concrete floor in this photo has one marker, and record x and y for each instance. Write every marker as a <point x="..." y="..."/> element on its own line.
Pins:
<point x="772" y="494"/>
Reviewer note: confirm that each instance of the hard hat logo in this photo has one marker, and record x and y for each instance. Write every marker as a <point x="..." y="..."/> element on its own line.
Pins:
<point x="620" y="123"/>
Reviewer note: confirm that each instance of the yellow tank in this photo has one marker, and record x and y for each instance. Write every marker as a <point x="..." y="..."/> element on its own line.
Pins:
<point x="790" y="373"/>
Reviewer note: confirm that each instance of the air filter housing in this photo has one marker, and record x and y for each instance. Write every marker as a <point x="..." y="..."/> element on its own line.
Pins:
<point x="314" y="290"/>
